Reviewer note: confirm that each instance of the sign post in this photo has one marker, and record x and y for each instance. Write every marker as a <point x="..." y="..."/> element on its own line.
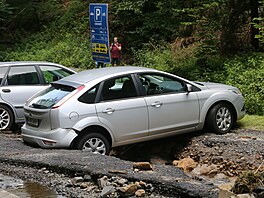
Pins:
<point x="99" y="32"/>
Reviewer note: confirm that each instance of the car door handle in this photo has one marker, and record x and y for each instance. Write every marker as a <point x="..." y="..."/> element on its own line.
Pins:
<point x="156" y="104"/>
<point x="109" y="111"/>
<point x="6" y="90"/>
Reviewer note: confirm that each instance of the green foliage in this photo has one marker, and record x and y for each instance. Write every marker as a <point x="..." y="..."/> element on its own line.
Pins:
<point x="64" y="41"/>
<point x="247" y="73"/>
<point x="5" y="12"/>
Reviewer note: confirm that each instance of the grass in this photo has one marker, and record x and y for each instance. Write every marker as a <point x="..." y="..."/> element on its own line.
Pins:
<point x="252" y="122"/>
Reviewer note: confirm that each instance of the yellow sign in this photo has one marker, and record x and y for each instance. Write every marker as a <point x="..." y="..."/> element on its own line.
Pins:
<point x="99" y="48"/>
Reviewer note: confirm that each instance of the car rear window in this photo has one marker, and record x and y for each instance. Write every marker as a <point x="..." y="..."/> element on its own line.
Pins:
<point x="50" y="96"/>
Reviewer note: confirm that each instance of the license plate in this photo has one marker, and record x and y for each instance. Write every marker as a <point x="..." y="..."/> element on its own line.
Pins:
<point x="33" y="122"/>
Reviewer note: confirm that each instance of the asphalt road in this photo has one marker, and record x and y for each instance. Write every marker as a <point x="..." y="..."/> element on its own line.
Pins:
<point x="169" y="180"/>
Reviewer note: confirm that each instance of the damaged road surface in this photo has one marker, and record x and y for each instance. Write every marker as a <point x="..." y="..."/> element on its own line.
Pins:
<point x="73" y="173"/>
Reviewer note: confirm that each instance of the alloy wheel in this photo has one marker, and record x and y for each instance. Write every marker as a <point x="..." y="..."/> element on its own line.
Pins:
<point x="223" y="118"/>
<point x="95" y="145"/>
<point x="4" y="118"/>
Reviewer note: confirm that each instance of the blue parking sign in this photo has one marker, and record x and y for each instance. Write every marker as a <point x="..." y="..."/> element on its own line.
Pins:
<point x="99" y="32"/>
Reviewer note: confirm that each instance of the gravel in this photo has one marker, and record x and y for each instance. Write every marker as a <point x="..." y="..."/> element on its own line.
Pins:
<point x="72" y="174"/>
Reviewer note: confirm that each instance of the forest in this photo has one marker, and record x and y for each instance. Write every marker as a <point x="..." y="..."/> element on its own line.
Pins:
<point x="206" y="40"/>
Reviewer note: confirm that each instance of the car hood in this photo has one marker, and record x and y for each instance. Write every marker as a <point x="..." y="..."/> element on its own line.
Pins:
<point x="211" y="85"/>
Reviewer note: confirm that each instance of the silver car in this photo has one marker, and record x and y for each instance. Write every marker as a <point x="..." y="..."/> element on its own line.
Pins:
<point x="99" y="109"/>
<point x="19" y="81"/>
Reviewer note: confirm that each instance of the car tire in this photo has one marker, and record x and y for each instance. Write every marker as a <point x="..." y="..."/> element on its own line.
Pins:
<point x="95" y="143"/>
<point x="220" y="118"/>
<point x="6" y="118"/>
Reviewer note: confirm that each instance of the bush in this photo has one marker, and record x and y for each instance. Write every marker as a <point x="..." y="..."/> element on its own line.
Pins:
<point x="64" y="41"/>
<point x="247" y="73"/>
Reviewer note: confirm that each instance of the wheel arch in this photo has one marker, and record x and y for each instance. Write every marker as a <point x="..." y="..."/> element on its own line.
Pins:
<point x="89" y="129"/>
<point x="218" y="102"/>
<point x="14" y="117"/>
<point x="10" y="108"/>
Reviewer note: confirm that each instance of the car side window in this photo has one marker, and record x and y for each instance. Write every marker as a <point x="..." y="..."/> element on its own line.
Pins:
<point x="52" y="73"/>
<point x="89" y="96"/>
<point x="24" y="75"/>
<point x="118" y="88"/>
<point x="156" y="84"/>
<point x="2" y="73"/>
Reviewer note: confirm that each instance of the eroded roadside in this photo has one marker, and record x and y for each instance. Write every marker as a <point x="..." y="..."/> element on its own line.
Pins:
<point x="167" y="181"/>
<point x="76" y="174"/>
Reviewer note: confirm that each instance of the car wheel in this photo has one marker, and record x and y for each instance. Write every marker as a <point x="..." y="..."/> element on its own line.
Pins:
<point x="6" y="118"/>
<point x="95" y="143"/>
<point x="220" y="118"/>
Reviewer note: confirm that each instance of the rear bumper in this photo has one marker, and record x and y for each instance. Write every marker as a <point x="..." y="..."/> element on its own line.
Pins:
<point x="57" y="138"/>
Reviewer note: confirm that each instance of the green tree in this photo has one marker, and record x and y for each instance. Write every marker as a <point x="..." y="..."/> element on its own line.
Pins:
<point x="5" y="12"/>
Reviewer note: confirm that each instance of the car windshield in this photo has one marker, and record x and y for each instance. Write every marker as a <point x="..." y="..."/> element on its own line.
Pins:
<point x="50" y="96"/>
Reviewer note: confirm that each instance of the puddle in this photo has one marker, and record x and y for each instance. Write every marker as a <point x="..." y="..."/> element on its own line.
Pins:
<point x="26" y="189"/>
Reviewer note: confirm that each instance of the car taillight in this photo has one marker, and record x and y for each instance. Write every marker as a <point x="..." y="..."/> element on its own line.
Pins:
<point x="62" y="101"/>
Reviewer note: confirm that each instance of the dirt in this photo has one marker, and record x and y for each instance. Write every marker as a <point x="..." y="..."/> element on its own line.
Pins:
<point x="230" y="154"/>
<point x="233" y="153"/>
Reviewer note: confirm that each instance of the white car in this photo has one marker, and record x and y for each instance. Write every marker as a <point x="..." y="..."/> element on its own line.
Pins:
<point x="99" y="109"/>
<point x="19" y="81"/>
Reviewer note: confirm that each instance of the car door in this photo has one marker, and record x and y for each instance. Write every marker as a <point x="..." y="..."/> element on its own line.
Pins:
<point x="171" y="108"/>
<point x="21" y="83"/>
<point x="122" y="110"/>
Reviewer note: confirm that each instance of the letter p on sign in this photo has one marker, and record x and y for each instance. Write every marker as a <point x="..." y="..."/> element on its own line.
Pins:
<point x="98" y="14"/>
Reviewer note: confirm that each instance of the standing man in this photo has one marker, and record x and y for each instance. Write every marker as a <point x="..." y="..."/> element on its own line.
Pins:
<point x="115" y="50"/>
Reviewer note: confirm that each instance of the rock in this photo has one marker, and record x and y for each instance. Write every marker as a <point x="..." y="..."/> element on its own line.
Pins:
<point x="140" y="193"/>
<point x="187" y="164"/>
<point x="77" y="179"/>
<point x="225" y="194"/>
<point x="149" y="186"/>
<point x="107" y="190"/>
<point x="127" y="190"/>
<point x="142" y="166"/>
<point x="210" y="171"/>
<point x="84" y="185"/>
<point x="243" y="196"/>
<point x="87" y="178"/>
<point x="122" y="181"/>
<point x="117" y="171"/>
<point x="226" y="186"/>
<point x="102" y="182"/>
<point x="141" y="184"/>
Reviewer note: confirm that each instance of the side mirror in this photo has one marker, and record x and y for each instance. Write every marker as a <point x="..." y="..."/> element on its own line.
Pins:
<point x="189" y="88"/>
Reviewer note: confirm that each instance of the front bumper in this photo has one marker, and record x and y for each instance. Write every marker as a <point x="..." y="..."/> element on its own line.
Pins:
<point x="239" y="104"/>
<point x="57" y="138"/>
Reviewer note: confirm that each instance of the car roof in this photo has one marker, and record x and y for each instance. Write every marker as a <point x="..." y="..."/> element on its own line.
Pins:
<point x="27" y="62"/>
<point x="107" y="72"/>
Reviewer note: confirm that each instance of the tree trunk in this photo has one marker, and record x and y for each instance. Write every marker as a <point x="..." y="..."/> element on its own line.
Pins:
<point x="254" y="31"/>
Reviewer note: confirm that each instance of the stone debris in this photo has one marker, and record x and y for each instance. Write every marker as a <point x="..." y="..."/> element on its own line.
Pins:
<point x="78" y="179"/>
<point x="142" y="166"/>
<point x="117" y="171"/>
<point x="102" y="182"/>
<point x="207" y="170"/>
<point x="117" y="186"/>
<point x="127" y="190"/>
<point x="107" y="190"/>
<point x="187" y="164"/>
<point x="140" y="193"/>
